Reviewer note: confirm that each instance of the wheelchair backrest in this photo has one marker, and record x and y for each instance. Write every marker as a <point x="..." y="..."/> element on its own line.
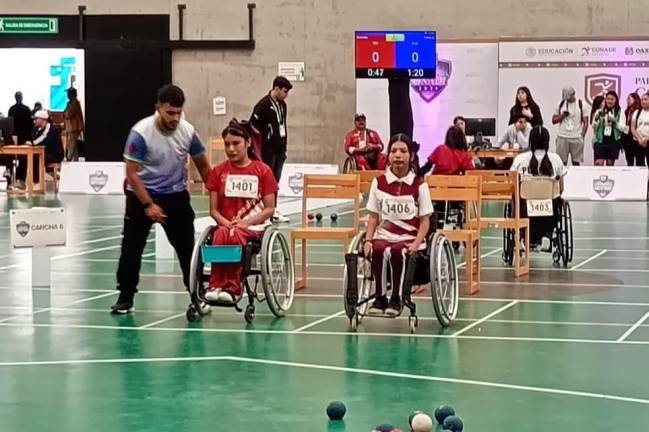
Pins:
<point x="540" y="188"/>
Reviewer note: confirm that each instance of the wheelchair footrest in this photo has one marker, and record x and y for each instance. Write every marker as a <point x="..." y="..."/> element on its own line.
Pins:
<point x="351" y="260"/>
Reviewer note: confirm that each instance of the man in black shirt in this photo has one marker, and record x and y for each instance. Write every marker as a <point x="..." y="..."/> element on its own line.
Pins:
<point x="269" y="118"/>
<point x="22" y="119"/>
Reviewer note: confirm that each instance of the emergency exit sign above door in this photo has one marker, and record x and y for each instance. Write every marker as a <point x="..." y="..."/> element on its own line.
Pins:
<point x="29" y="25"/>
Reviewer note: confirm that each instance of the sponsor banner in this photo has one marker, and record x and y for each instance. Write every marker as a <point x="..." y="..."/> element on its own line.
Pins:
<point x="94" y="178"/>
<point x="591" y="68"/>
<point x="37" y="227"/>
<point x="558" y="52"/>
<point x="292" y="182"/>
<point x="606" y="183"/>
<point x="466" y="84"/>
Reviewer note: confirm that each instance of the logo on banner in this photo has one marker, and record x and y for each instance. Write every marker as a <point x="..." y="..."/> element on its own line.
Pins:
<point x="587" y="51"/>
<point x="600" y="84"/>
<point x="530" y="51"/>
<point x="549" y="52"/>
<point x="296" y="182"/>
<point x="22" y="228"/>
<point x="429" y="89"/>
<point x="603" y="186"/>
<point x="628" y="51"/>
<point x="98" y="180"/>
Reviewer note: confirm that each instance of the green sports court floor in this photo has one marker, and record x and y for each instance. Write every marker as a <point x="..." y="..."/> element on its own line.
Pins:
<point x="561" y="349"/>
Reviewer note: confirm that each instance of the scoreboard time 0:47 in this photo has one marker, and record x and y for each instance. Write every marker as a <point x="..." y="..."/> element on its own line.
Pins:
<point x="396" y="54"/>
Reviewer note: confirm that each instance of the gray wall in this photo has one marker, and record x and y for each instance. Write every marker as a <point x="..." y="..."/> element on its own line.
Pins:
<point x="320" y="33"/>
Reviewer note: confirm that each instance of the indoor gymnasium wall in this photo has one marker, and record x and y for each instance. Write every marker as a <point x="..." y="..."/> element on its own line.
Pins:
<point x="320" y="33"/>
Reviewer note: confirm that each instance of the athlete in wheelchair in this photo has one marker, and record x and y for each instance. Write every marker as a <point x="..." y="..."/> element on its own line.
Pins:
<point x="243" y="244"/>
<point x="397" y="251"/>
<point x="541" y="173"/>
<point x="363" y="147"/>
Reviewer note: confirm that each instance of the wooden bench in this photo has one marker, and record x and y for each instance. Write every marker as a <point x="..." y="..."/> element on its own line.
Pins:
<point x="341" y="186"/>
<point x="504" y="186"/>
<point x="467" y="189"/>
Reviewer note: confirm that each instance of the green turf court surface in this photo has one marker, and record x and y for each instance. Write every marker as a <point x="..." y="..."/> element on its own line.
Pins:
<point x="560" y="349"/>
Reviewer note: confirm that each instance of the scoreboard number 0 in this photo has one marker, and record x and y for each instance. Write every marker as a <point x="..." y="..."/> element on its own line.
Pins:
<point x="375" y="57"/>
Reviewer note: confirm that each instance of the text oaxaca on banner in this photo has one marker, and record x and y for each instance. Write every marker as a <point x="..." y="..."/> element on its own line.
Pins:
<point x="38" y="227"/>
<point x="592" y="68"/>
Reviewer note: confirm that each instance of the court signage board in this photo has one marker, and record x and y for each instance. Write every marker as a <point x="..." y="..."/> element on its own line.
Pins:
<point x="38" y="227"/>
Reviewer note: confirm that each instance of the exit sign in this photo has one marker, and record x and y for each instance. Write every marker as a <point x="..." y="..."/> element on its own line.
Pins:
<point x="29" y="25"/>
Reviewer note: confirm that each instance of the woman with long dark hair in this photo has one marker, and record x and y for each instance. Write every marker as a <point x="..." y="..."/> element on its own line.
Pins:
<point x="540" y="161"/>
<point x="524" y="105"/>
<point x="399" y="208"/>
<point x="629" y="143"/>
<point x="610" y="124"/>
<point x="452" y="158"/>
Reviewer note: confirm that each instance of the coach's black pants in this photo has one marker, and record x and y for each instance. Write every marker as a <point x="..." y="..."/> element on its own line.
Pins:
<point x="276" y="163"/>
<point x="179" y="228"/>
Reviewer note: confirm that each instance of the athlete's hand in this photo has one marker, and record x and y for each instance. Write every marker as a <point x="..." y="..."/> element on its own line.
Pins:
<point x="413" y="247"/>
<point x="367" y="249"/>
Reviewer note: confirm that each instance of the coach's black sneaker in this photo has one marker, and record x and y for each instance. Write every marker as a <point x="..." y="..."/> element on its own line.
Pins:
<point x="379" y="305"/>
<point x="124" y="304"/>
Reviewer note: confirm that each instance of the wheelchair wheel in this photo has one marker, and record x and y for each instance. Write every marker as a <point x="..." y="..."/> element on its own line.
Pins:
<point x="349" y="166"/>
<point x="565" y="234"/>
<point x="363" y="282"/>
<point x="445" y="286"/>
<point x="508" y="239"/>
<point x="277" y="272"/>
<point x="198" y="277"/>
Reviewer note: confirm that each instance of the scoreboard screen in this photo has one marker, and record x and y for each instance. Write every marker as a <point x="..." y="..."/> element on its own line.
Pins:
<point x="396" y="54"/>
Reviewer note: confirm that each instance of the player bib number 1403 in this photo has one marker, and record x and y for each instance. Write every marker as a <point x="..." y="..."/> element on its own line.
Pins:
<point x="241" y="186"/>
<point x="537" y="208"/>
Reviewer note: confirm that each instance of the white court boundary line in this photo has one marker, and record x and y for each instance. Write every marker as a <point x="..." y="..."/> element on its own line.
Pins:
<point x="586" y="261"/>
<point x="320" y="321"/>
<point x="485" y="318"/>
<point x="328" y="333"/>
<point x="330" y="368"/>
<point x="633" y="328"/>
<point x="32" y="313"/>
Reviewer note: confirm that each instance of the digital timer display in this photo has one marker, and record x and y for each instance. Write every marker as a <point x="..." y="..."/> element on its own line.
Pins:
<point x="396" y="54"/>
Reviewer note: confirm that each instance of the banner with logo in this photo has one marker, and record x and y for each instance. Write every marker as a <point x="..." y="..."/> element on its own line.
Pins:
<point x="92" y="177"/>
<point x="606" y="183"/>
<point x="591" y="67"/>
<point x="43" y="75"/>
<point x="292" y="182"/>
<point x="37" y="227"/>
<point x="466" y="85"/>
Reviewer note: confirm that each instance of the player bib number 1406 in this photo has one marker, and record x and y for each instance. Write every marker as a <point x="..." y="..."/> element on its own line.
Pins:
<point x="399" y="208"/>
<point x="241" y="186"/>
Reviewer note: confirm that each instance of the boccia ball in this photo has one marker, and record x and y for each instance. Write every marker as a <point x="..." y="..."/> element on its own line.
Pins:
<point x="412" y="415"/>
<point x="336" y="410"/>
<point x="334" y="217"/>
<point x="384" y="428"/>
<point x="421" y="422"/>
<point x="310" y="216"/>
<point x="453" y="423"/>
<point x="443" y="411"/>
<point x="318" y="217"/>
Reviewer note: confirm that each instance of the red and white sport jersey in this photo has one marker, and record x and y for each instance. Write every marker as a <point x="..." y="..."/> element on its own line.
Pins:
<point x="400" y="202"/>
<point x="241" y="190"/>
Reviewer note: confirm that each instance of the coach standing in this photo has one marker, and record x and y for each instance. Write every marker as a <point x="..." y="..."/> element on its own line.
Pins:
<point x="156" y="168"/>
<point x="269" y="118"/>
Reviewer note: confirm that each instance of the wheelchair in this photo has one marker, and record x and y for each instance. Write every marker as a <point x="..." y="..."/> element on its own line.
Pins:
<point x="267" y="259"/>
<point x="435" y="265"/>
<point x="449" y="216"/>
<point x="560" y="234"/>
<point x="349" y="165"/>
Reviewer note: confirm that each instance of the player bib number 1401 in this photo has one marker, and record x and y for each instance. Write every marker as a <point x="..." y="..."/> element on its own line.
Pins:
<point x="241" y="186"/>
